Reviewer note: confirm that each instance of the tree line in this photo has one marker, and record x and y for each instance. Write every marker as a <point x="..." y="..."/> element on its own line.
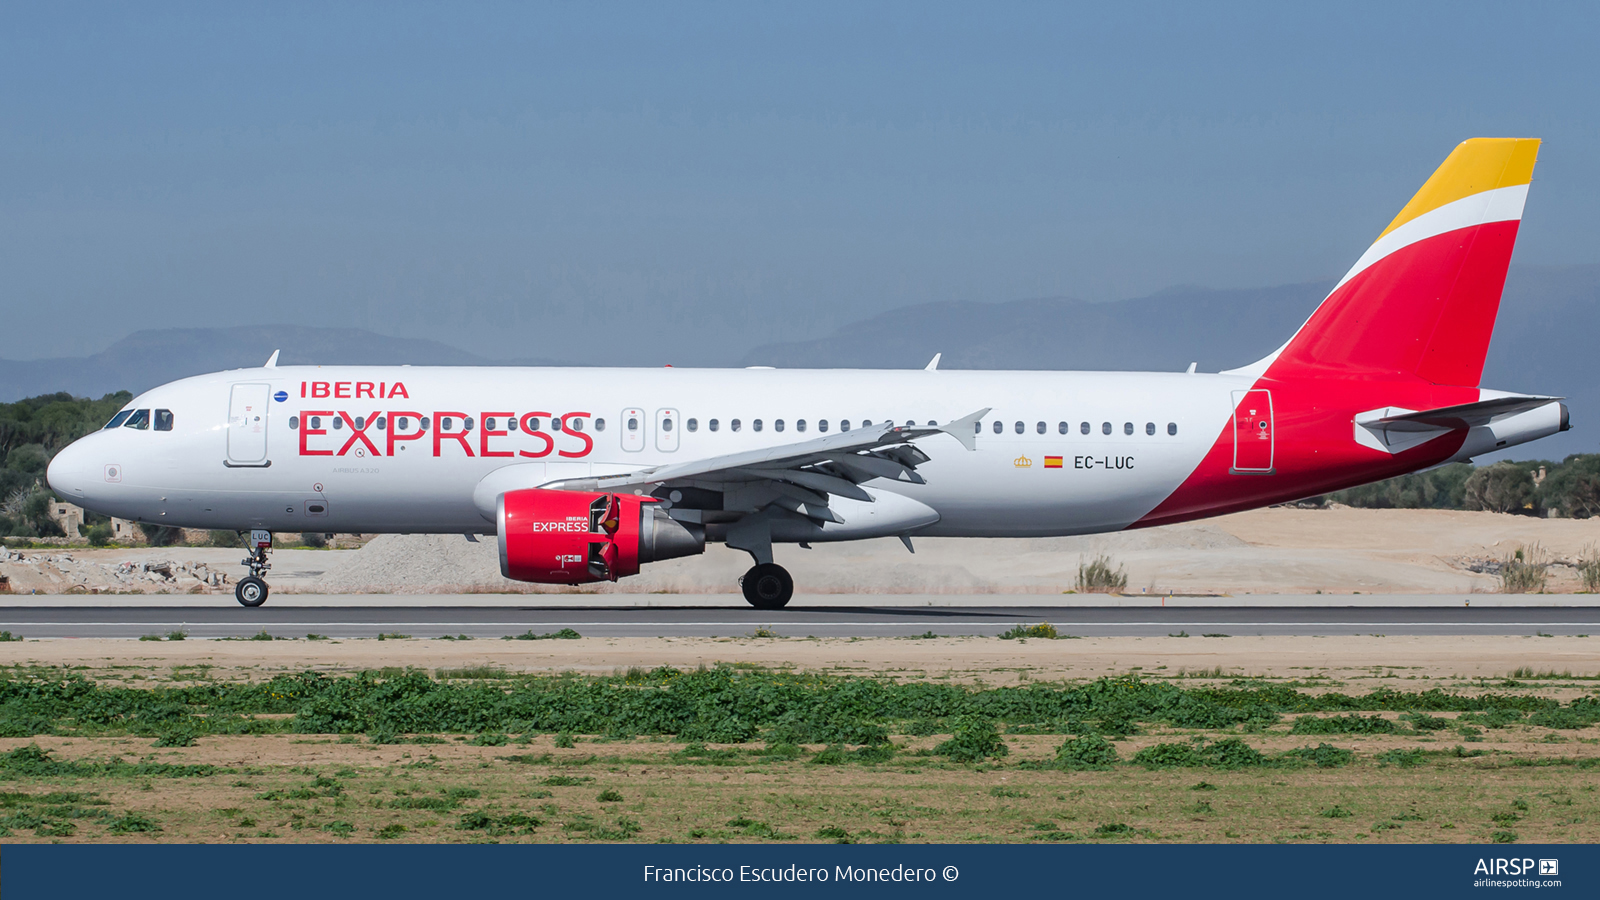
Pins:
<point x="1571" y="488"/>
<point x="32" y="431"/>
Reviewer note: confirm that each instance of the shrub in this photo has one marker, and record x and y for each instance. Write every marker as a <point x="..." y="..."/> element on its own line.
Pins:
<point x="1342" y="725"/>
<point x="313" y="539"/>
<point x="1097" y="577"/>
<point x="1589" y="569"/>
<point x="1041" y="630"/>
<point x="99" y="535"/>
<point x="220" y="538"/>
<point x="1323" y="756"/>
<point x="975" y="739"/>
<point x="1502" y="487"/>
<point x="608" y="796"/>
<point x="1089" y="752"/>
<point x="1405" y="759"/>
<point x="160" y="535"/>
<point x="1230" y="753"/>
<point x="1524" y="571"/>
<point x="1335" y="812"/>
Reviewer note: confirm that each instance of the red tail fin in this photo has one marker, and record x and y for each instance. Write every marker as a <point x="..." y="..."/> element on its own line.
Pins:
<point x="1422" y="300"/>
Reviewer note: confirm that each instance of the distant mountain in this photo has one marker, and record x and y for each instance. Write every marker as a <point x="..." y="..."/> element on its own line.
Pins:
<point x="1544" y="341"/>
<point x="145" y="359"/>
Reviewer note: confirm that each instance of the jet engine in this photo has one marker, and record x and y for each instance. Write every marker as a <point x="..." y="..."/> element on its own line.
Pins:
<point x="573" y="537"/>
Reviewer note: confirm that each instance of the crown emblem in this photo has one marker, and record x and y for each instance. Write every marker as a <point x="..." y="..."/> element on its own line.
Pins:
<point x="1022" y="462"/>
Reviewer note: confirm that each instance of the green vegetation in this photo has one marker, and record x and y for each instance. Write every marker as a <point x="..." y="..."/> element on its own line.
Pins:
<point x="722" y="705"/>
<point x="1042" y="630"/>
<point x="1571" y="487"/>
<point x="31" y="432"/>
<point x="1097" y="577"/>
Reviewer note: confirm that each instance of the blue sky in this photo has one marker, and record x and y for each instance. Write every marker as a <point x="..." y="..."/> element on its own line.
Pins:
<point x="679" y="182"/>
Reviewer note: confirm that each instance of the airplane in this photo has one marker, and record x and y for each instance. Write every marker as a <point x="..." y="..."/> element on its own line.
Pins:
<point x="586" y="474"/>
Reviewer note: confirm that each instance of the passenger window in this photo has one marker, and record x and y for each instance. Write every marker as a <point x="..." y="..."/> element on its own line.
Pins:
<point x="977" y="428"/>
<point x="488" y="424"/>
<point x="633" y="423"/>
<point x="1021" y="428"/>
<point x="865" y="423"/>
<point x="777" y="425"/>
<point x="444" y="423"/>
<point x="692" y="425"/>
<point x="822" y="425"/>
<point x="511" y="423"/>
<point x="576" y="424"/>
<point x="932" y="424"/>
<point x="555" y="423"/>
<point x="423" y="423"/>
<point x="999" y="427"/>
<point x="1172" y="428"/>
<point x="1127" y="428"/>
<point x="1063" y="428"/>
<point x="338" y="423"/>
<point x="911" y="423"/>
<point x="316" y="422"/>
<point x="1149" y="428"/>
<point x="140" y="420"/>
<point x="713" y="424"/>
<point x="294" y="423"/>
<point x="383" y="424"/>
<point x="1105" y="428"/>
<point x="1084" y="428"/>
<point x="163" y="420"/>
<point x="402" y="424"/>
<point x="119" y="418"/>
<point x="466" y="424"/>
<point x="533" y="425"/>
<point x="600" y="425"/>
<point x="361" y="423"/>
<point x="734" y="425"/>
<point x="844" y="424"/>
<point x="756" y="424"/>
<point x="1039" y="428"/>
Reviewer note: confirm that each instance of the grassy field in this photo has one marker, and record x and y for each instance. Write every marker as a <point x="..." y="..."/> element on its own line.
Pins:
<point x="752" y="754"/>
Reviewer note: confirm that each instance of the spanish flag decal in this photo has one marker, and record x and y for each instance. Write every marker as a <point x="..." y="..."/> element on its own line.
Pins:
<point x="1052" y="462"/>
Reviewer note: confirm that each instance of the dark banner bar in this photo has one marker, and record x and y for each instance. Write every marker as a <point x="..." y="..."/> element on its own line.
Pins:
<point x="391" y="872"/>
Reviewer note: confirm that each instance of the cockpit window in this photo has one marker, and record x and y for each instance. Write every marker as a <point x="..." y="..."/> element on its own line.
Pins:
<point x="140" y="420"/>
<point x="119" y="418"/>
<point x="163" y="420"/>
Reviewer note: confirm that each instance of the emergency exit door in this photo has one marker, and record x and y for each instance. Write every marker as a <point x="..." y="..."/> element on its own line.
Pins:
<point x="666" y="430"/>
<point x="1252" y="432"/>
<point x="247" y="425"/>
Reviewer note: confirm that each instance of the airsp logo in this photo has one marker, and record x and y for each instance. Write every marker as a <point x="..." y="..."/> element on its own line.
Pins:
<point x="1502" y="866"/>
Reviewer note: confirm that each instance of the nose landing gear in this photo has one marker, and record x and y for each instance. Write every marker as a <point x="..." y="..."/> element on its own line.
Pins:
<point x="252" y="590"/>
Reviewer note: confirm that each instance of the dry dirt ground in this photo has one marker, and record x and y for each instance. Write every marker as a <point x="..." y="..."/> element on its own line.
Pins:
<point x="1283" y="550"/>
<point x="1469" y="784"/>
<point x="962" y="659"/>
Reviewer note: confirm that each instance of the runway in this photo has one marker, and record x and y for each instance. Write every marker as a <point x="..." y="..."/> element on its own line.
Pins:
<point x="864" y="620"/>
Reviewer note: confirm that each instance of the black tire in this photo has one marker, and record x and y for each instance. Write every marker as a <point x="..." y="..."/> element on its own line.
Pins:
<point x="250" y="591"/>
<point x="767" y="586"/>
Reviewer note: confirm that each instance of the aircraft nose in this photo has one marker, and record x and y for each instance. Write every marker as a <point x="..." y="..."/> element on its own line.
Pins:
<point x="68" y="474"/>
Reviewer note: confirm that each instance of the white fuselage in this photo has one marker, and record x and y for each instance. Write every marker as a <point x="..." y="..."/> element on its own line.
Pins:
<point x="275" y="469"/>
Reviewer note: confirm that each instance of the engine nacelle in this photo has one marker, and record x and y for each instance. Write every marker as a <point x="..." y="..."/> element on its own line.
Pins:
<point x="572" y="537"/>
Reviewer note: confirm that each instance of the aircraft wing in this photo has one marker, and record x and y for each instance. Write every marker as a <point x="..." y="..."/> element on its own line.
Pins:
<point x="804" y="472"/>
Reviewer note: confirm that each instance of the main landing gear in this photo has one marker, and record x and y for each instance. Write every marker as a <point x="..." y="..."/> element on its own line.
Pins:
<point x="765" y="586"/>
<point x="251" y="590"/>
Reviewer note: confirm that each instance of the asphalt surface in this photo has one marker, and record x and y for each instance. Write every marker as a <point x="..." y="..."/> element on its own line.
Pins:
<point x="799" y="621"/>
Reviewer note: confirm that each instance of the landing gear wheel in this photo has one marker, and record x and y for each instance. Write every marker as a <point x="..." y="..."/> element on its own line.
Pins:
<point x="251" y="591"/>
<point x="767" y="586"/>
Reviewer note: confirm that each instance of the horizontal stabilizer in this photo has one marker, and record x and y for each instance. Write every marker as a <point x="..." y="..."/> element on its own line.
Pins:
<point x="1465" y="415"/>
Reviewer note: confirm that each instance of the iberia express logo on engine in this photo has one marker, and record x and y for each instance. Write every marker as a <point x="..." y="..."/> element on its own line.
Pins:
<point x="390" y="430"/>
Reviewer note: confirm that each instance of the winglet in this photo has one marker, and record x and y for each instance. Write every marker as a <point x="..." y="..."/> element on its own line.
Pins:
<point x="933" y="365"/>
<point x="965" y="429"/>
<point x="272" y="361"/>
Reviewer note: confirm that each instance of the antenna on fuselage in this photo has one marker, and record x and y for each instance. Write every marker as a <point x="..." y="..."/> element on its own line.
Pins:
<point x="272" y="361"/>
<point x="933" y="365"/>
